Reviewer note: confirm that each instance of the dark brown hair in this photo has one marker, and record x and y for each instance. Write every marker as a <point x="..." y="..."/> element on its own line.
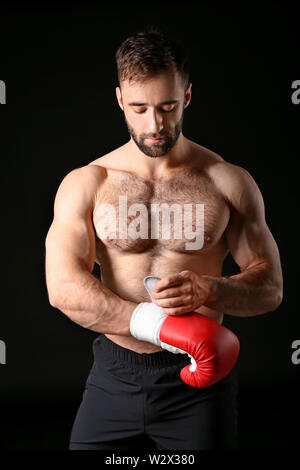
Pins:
<point x="149" y="53"/>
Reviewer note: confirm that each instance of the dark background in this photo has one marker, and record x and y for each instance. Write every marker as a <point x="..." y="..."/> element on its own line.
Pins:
<point x="58" y="64"/>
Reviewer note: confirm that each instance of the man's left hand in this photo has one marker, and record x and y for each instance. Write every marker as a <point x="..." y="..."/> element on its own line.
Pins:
<point x="180" y="293"/>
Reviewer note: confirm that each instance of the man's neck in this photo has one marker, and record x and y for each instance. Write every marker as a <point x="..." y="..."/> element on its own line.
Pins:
<point x="158" y="166"/>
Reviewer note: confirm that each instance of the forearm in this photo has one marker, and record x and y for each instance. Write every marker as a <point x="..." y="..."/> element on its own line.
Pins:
<point x="87" y="302"/>
<point x="251" y="292"/>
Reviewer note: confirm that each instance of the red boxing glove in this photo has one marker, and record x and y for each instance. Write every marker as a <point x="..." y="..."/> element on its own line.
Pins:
<point x="213" y="347"/>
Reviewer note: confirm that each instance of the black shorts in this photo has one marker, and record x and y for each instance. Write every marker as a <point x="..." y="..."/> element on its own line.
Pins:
<point x="138" y="401"/>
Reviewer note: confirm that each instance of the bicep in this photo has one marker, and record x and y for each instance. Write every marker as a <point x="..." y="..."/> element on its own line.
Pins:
<point x="250" y="241"/>
<point x="248" y="236"/>
<point x="70" y="242"/>
<point x="70" y="247"/>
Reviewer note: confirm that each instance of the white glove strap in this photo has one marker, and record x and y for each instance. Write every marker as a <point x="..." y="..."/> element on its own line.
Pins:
<point x="145" y="325"/>
<point x="146" y="321"/>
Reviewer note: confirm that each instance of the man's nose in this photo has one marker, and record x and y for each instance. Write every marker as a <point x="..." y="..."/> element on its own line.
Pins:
<point x="156" y="122"/>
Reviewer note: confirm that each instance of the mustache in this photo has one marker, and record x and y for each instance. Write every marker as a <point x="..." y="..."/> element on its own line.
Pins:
<point x="153" y="136"/>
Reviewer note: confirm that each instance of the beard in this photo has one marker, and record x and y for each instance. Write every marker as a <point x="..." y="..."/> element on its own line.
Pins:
<point x="157" y="149"/>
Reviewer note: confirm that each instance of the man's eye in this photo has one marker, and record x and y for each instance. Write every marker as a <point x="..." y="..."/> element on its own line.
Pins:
<point x="168" y="109"/>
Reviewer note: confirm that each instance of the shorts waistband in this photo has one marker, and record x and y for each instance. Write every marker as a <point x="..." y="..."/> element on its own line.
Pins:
<point x="157" y="359"/>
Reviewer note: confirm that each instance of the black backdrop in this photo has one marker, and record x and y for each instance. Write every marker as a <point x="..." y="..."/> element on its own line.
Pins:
<point x="57" y="61"/>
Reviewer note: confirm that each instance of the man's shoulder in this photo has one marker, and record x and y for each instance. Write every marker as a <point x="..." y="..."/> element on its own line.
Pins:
<point x="83" y="181"/>
<point x="230" y="179"/>
<point x="93" y="174"/>
<point x="236" y="184"/>
<point x="222" y="172"/>
<point x="216" y="166"/>
<point x="228" y="172"/>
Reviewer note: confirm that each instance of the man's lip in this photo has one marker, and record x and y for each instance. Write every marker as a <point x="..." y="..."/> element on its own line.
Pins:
<point x="154" y="140"/>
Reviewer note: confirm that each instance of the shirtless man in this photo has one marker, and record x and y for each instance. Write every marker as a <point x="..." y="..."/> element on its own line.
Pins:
<point x="134" y="396"/>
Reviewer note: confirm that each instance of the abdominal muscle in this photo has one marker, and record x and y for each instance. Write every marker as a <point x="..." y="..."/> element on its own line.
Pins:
<point x="124" y="274"/>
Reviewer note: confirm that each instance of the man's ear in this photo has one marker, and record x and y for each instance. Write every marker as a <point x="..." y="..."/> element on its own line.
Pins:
<point x="188" y="95"/>
<point x="119" y="97"/>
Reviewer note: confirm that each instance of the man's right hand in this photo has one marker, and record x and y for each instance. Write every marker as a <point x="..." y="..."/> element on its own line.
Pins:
<point x="213" y="348"/>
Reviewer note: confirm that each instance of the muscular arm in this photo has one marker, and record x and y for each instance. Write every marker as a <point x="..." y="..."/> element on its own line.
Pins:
<point x="70" y="255"/>
<point x="257" y="288"/>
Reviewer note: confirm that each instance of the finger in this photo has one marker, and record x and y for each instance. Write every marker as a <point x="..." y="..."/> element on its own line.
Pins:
<point x="170" y="292"/>
<point x="180" y="310"/>
<point x="172" y="302"/>
<point x="168" y="281"/>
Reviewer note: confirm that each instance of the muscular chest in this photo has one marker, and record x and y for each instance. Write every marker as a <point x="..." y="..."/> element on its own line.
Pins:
<point x="185" y="213"/>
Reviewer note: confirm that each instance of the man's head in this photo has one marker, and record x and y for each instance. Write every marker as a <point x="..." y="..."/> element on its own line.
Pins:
<point x="154" y="90"/>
